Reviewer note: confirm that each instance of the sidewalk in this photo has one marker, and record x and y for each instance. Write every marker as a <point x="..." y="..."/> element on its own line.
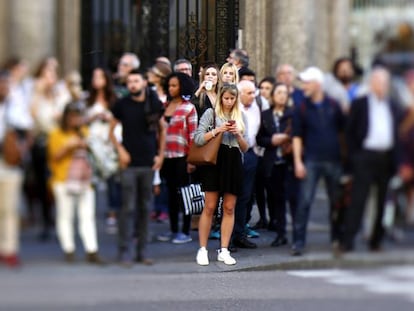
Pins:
<point x="171" y="258"/>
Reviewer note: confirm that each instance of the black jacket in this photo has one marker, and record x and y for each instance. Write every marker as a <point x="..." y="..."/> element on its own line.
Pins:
<point x="266" y="131"/>
<point x="358" y="125"/>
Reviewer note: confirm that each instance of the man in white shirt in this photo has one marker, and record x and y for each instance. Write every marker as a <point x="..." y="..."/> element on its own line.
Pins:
<point x="372" y="137"/>
<point x="251" y="112"/>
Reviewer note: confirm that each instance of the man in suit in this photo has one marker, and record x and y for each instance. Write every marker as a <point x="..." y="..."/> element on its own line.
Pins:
<point x="372" y="138"/>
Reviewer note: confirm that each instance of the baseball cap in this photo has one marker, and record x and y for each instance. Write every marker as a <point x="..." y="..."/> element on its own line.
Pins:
<point x="312" y="74"/>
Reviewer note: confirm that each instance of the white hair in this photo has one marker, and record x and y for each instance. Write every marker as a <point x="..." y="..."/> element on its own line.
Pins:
<point x="134" y="58"/>
<point x="243" y="84"/>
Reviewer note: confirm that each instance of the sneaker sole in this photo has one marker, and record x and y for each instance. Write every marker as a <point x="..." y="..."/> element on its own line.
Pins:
<point x="163" y="239"/>
<point x="202" y="263"/>
<point x="181" y="242"/>
<point x="226" y="263"/>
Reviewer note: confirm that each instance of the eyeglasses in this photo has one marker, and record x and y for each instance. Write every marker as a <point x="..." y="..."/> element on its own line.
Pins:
<point x="125" y="64"/>
<point x="183" y="69"/>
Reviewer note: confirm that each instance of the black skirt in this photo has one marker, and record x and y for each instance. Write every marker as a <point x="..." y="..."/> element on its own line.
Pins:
<point x="227" y="175"/>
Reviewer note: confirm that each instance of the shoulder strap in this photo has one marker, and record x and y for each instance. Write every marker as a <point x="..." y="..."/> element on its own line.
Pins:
<point x="214" y="117"/>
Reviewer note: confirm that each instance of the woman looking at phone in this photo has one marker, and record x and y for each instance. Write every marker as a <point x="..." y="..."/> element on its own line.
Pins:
<point x="224" y="177"/>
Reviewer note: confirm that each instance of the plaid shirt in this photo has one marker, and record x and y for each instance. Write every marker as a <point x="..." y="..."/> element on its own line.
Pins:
<point x="180" y="131"/>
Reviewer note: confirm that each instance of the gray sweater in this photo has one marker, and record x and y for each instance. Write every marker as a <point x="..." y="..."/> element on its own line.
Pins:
<point x="206" y="125"/>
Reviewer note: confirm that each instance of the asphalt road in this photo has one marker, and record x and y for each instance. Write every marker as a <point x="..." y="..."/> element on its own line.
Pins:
<point x="175" y="282"/>
<point x="88" y="288"/>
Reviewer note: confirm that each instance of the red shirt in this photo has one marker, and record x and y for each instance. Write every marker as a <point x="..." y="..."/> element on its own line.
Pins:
<point x="180" y="131"/>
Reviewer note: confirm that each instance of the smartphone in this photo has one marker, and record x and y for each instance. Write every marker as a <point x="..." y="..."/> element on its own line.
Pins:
<point x="231" y="122"/>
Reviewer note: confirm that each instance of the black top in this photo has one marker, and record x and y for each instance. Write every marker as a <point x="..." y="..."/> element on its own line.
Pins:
<point x="138" y="136"/>
<point x="268" y="127"/>
<point x="206" y="106"/>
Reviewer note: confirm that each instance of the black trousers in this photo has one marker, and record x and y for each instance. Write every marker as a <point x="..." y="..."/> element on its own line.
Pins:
<point x="174" y="171"/>
<point x="276" y="191"/>
<point x="368" y="168"/>
<point x="260" y="193"/>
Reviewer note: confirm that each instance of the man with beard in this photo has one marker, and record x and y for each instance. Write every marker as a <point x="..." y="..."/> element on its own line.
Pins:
<point x="345" y="72"/>
<point x="140" y="154"/>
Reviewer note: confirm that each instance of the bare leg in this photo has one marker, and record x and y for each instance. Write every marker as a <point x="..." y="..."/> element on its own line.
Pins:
<point x="206" y="218"/>
<point x="227" y="223"/>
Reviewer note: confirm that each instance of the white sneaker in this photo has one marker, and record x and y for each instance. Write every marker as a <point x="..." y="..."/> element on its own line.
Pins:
<point x="224" y="256"/>
<point x="202" y="257"/>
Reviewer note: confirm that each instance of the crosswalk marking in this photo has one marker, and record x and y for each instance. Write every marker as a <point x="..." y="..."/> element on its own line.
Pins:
<point x="393" y="280"/>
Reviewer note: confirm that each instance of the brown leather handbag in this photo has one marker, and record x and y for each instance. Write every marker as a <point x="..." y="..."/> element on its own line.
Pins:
<point x="207" y="153"/>
<point x="12" y="149"/>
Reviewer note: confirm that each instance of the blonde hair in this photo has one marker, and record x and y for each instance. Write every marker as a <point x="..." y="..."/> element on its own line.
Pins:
<point x="235" y="113"/>
<point x="232" y="67"/>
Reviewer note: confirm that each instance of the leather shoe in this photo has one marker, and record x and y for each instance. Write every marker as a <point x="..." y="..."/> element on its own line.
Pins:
<point x="375" y="248"/>
<point x="232" y="248"/>
<point x="296" y="252"/>
<point x="261" y="224"/>
<point x="272" y="226"/>
<point x="95" y="259"/>
<point x="244" y="243"/>
<point x="144" y="261"/>
<point x="279" y="241"/>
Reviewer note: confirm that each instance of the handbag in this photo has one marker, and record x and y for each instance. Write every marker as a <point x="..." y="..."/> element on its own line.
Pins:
<point x="79" y="174"/>
<point x="193" y="199"/>
<point x="104" y="158"/>
<point x="12" y="149"/>
<point x="207" y="153"/>
<point x="287" y="148"/>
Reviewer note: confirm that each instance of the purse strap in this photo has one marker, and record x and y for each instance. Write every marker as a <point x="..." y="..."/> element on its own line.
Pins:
<point x="214" y="118"/>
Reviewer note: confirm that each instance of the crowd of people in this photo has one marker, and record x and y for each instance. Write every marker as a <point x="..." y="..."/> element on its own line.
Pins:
<point x="132" y="131"/>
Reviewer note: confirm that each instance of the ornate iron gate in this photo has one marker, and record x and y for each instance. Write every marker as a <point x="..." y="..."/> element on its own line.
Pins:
<point x="198" y="30"/>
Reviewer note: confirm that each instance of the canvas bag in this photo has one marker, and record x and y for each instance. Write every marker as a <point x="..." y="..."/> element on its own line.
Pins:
<point x="193" y="199"/>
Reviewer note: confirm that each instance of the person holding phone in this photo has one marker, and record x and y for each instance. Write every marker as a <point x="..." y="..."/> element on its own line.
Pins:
<point x="225" y="177"/>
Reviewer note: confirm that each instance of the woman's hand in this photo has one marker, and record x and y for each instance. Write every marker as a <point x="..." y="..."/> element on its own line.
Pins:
<point x="190" y="168"/>
<point x="232" y="128"/>
<point x="225" y="127"/>
<point x="124" y="157"/>
<point x="158" y="160"/>
<point x="76" y="143"/>
<point x="201" y="88"/>
<point x="278" y="139"/>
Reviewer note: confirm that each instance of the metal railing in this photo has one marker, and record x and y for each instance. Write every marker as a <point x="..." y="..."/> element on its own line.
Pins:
<point x="366" y="4"/>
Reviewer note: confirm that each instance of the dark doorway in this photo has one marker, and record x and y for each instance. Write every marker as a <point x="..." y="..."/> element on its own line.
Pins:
<point x="198" y="30"/>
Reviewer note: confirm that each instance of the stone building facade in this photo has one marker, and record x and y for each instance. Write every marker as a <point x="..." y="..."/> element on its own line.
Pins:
<point x="37" y="29"/>
<point x="301" y="32"/>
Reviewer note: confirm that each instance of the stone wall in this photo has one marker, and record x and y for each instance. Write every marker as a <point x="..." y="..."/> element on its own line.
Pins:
<point x="36" y="29"/>
<point x="303" y="33"/>
<point x="4" y="25"/>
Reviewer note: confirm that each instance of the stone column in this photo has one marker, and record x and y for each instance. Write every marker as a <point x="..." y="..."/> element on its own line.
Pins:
<point x="257" y="27"/>
<point x="309" y="32"/>
<point x="340" y="19"/>
<point x="32" y="31"/>
<point x="69" y="38"/>
<point x="290" y="41"/>
<point x="4" y="25"/>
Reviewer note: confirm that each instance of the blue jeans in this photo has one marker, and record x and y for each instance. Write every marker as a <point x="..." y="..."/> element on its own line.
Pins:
<point x="331" y="173"/>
